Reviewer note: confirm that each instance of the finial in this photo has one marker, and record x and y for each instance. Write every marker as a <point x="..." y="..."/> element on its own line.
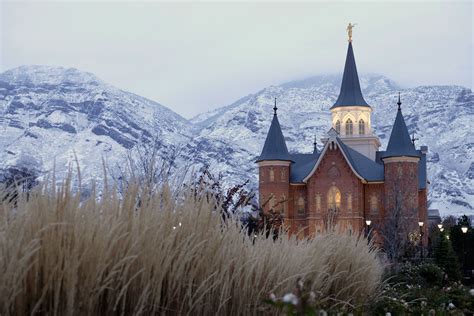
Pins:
<point x="315" y="143"/>
<point x="349" y="31"/>
<point x="275" y="107"/>
<point x="413" y="139"/>
<point x="399" y="102"/>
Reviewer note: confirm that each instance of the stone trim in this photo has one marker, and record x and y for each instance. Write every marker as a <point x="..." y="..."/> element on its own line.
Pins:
<point x="274" y="163"/>
<point x="400" y="159"/>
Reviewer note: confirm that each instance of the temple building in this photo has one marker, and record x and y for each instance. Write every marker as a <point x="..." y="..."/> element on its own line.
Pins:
<point x="351" y="185"/>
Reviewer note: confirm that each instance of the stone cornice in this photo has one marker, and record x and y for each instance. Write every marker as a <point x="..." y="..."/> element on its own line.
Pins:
<point x="400" y="159"/>
<point x="274" y="163"/>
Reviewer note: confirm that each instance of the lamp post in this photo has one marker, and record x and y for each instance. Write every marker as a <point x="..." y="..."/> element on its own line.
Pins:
<point x="367" y="228"/>
<point x="464" y="231"/>
<point x="420" y="223"/>
<point x="440" y="226"/>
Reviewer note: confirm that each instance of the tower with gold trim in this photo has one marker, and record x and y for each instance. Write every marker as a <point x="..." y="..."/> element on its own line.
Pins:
<point x="351" y="114"/>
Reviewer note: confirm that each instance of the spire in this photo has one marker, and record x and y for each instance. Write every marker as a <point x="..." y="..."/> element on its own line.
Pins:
<point x="275" y="145"/>
<point x="275" y="107"/>
<point x="400" y="143"/>
<point x="350" y="94"/>
<point x="399" y="102"/>
<point x="413" y="139"/>
<point x="315" y="144"/>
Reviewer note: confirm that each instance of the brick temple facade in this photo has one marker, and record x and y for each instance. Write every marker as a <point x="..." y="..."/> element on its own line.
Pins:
<point x="350" y="181"/>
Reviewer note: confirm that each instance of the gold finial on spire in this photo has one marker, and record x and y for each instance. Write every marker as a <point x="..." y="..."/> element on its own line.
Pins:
<point x="349" y="31"/>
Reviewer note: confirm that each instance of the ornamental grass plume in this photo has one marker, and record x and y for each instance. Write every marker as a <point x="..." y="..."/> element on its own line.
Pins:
<point x="155" y="252"/>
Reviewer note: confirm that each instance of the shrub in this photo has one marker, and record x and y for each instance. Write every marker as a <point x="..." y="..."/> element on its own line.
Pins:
<point x="419" y="289"/>
<point x="446" y="258"/>
<point x="424" y="275"/>
<point x="153" y="253"/>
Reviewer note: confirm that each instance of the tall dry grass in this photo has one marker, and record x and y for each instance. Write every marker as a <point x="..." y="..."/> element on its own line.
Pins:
<point x="165" y="255"/>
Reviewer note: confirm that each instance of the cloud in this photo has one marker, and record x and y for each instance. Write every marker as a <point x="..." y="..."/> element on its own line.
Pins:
<point x="194" y="57"/>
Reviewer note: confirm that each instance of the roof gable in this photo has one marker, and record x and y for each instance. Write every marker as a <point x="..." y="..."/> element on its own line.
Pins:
<point x="364" y="168"/>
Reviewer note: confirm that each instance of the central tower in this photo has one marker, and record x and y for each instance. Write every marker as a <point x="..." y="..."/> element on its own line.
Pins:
<point x="351" y="114"/>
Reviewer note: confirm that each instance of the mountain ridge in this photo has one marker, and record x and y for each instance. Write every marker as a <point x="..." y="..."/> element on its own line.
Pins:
<point x="78" y="112"/>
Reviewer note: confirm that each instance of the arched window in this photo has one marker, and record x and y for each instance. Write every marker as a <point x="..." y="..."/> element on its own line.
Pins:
<point x="283" y="204"/>
<point x="349" y="128"/>
<point x="334" y="198"/>
<point x="300" y="206"/>
<point x="318" y="202"/>
<point x="273" y="202"/>
<point x="338" y="127"/>
<point x="283" y="175"/>
<point x="349" y="202"/>
<point x="272" y="175"/>
<point x="373" y="204"/>
<point x="361" y="127"/>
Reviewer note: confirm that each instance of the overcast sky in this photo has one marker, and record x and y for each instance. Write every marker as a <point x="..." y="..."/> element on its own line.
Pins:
<point x="193" y="57"/>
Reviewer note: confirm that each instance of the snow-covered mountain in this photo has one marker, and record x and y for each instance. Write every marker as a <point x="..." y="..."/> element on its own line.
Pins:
<point x="48" y="113"/>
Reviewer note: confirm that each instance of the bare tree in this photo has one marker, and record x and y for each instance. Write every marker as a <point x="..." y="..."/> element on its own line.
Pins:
<point x="330" y="218"/>
<point x="398" y="241"/>
<point x="151" y="164"/>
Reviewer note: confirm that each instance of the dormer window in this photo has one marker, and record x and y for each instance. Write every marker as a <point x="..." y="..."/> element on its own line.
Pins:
<point x="349" y="127"/>
<point x="338" y="127"/>
<point x="361" y="127"/>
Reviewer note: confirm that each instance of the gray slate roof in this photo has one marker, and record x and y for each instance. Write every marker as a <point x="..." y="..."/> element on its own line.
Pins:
<point x="302" y="166"/>
<point x="275" y="145"/>
<point x="371" y="171"/>
<point x="422" y="179"/>
<point x="400" y="144"/>
<point x="350" y="94"/>
<point x="365" y="167"/>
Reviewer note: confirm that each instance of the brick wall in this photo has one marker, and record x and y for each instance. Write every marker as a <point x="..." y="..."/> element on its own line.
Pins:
<point x="401" y="188"/>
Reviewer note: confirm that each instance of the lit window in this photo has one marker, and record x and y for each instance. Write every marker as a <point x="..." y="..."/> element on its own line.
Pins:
<point x="349" y="128"/>
<point x="272" y="175"/>
<point x="338" y="127"/>
<point x="361" y="127"/>
<point x="334" y="198"/>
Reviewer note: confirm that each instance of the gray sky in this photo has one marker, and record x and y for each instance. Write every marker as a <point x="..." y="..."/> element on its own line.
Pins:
<point x="193" y="57"/>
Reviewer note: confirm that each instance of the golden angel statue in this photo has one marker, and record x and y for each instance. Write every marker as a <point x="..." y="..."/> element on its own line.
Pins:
<point x="349" y="30"/>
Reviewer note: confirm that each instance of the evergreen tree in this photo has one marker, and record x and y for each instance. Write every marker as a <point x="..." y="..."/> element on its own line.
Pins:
<point x="446" y="258"/>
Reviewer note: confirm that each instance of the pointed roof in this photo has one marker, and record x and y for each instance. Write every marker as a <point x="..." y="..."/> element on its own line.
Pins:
<point x="400" y="143"/>
<point x="275" y="145"/>
<point x="350" y="94"/>
<point x="315" y="146"/>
